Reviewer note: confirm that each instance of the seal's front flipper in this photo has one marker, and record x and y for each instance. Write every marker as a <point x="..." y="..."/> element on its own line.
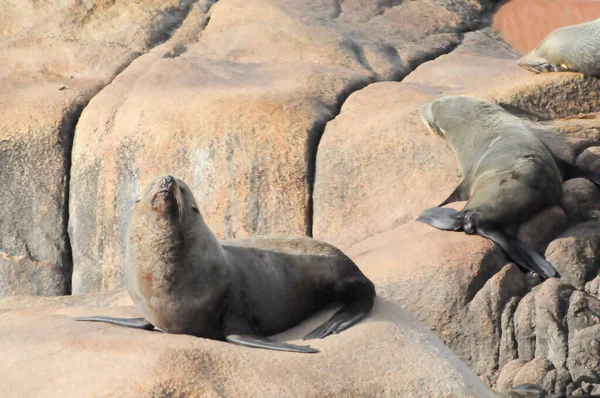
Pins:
<point x="457" y="195"/>
<point x="442" y="218"/>
<point x="258" y="342"/>
<point x="520" y="253"/>
<point x="136" y="323"/>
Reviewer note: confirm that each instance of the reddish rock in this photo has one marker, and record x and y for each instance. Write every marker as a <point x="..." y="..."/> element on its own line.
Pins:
<point x="55" y="57"/>
<point x="436" y="278"/>
<point x="524" y="23"/>
<point x="376" y="357"/>
<point x="576" y="254"/>
<point x="508" y="373"/>
<point x="539" y="371"/>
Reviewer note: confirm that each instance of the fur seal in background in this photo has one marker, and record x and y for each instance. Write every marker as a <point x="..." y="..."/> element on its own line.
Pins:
<point x="573" y="48"/>
<point x="183" y="280"/>
<point x="529" y="390"/>
<point x="508" y="174"/>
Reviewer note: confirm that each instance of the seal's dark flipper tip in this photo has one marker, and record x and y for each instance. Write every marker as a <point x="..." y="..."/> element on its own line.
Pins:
<point x="135" y="323"/>
<point x="258" y="342"/>
<point x="520" y="253"/>
<point x="359" y="303"/>
<point x="593" y="177"/>
<point x="441" y="218"/>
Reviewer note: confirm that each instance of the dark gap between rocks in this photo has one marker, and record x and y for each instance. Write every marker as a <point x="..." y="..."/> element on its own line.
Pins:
<point x="319" y="128"/>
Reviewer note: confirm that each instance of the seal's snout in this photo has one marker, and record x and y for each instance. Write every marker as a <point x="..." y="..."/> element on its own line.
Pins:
<point x="168" y="182"/>
<point x="426" y="113"/>
<point x="165" y="195"/>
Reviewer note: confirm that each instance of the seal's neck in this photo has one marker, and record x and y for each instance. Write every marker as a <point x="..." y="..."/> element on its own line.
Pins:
<point x="168" y="249"/>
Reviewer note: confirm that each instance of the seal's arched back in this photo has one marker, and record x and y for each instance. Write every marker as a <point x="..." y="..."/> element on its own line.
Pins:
<point x="508" y="174"/>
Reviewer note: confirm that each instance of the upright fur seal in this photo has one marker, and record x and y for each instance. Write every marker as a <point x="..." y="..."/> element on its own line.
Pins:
<point x="183" y="280"/>
<point x="574" y="48"/>
<point x="508" y="174"/>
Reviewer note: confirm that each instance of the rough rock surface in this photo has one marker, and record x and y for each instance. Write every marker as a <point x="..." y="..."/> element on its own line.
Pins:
<point x="388" y="354"/>
<point x="237" y="109"/>
<point x="576" y="254"/>
<point x="55" y="57"/>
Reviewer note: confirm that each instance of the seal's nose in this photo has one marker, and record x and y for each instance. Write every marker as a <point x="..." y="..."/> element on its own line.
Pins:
<point x="168" y="180"/>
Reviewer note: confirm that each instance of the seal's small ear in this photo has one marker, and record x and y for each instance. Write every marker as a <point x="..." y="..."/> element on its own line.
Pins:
<point x="195" y="209"/>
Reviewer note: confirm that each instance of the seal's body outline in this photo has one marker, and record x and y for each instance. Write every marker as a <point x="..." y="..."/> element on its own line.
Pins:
<point x="574" y="48"/>
<point x="508" y="174"/>
<point x="185" y="281"/>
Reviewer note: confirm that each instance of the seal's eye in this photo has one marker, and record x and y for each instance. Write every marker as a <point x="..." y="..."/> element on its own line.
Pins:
<point x="195" y="209"/>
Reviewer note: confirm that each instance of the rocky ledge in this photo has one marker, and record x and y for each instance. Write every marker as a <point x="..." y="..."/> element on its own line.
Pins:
<point x="283" y="117"/>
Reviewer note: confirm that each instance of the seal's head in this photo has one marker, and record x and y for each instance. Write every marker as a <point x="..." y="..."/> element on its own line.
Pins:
<point x="548" y="56"/>
<point x="168" y="198"/>
<point x="451" y="113"/>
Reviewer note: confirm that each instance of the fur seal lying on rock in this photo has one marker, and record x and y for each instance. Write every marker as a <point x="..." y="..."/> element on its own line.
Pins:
<point x="574" y="48"/>
<point x="508" y="174"/>
<point x="183" y="280"/>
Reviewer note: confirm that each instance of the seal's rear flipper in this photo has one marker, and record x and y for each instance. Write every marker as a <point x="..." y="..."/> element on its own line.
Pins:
<point x="136" y="323"/>
<point x="520" y="253"/>
<point x="359" y="298"/>
<point x="258" y="342"/>
<point x="442" y="218"/>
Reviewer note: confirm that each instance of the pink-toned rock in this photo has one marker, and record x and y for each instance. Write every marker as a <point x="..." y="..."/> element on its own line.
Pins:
<point x="388" y="354"/>
<point x="434" y="275"/>
<point x="237" y="110"/>
<point x="576" y="254"/>
<point x="539" y="371"/>
<point x="508" y="373"/>
<point x="55" y="57"/>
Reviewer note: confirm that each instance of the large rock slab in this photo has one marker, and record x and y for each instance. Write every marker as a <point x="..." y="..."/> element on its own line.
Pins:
<point x="388" y="354"/>
<point x="55" y="57"/>
<point x="237" y="111"/>
<point x="434" y="275"/>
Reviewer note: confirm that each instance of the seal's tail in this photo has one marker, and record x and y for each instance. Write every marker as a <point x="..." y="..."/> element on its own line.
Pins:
<point x="359" y="298"/>
<point x="520" y="253"/>
<point x="136" y="323"/>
